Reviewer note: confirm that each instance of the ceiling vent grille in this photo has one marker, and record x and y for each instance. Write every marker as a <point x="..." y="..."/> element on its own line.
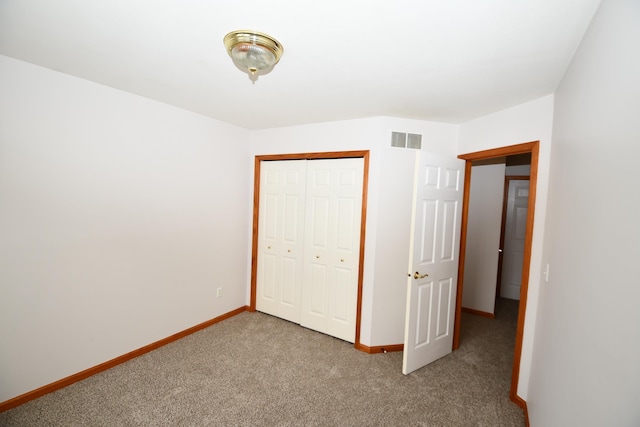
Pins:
<point x="406" y="140"/>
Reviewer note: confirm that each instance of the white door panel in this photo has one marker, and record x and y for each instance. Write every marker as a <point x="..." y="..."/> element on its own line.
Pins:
<point x="309" y="242"/>
<point x="514" y="238"/>
<point x="438" y="190"/>
<point x="280" y="240"/>
<point x="332" y="246"/>
<point x="342" y="286"/>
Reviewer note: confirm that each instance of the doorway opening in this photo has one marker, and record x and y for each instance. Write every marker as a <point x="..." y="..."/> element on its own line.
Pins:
<point x="529" y="148"/>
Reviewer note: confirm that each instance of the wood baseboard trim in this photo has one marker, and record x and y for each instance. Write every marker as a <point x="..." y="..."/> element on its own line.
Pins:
<point x="522" y="404"/>
<point x="34" y="394"/>
<point x="380" y="348"/>
<point x="479" y="313"/>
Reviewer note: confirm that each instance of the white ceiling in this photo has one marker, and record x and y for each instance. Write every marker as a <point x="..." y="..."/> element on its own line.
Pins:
<point x="437" y="60"/>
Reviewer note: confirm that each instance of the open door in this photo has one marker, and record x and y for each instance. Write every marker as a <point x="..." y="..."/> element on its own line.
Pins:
<point x="433" y="267"/>
<point x="514" y="236"/>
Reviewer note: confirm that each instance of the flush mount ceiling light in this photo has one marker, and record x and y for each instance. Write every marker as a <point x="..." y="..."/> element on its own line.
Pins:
<point x="253" y="52"/>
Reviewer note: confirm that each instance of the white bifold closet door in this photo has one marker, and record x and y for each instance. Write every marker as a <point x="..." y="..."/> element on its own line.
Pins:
<point x="309" y="242"/>
<point x="280" y="238"/>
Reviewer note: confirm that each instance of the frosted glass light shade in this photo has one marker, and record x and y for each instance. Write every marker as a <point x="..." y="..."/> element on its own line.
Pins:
<point x="252" y="51"/>
<point x="252" y="57"/>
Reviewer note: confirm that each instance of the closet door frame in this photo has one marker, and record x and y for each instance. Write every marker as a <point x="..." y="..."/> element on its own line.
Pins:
<point x="364" y="154"/>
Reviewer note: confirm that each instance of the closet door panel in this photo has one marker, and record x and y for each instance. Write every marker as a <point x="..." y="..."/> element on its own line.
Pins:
<point x="290" y="283"/>
<point x="280" y="239"/>
<point x="341" y="301"/>
<point x="316" y="277"/>
<point x="309" y="242"/>
<point x="268" y="290"/>
<point x="332" y="240"/>
<point x="316" y="294"/>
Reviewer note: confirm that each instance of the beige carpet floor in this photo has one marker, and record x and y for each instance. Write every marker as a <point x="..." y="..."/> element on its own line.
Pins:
<point x="257" y="370"/>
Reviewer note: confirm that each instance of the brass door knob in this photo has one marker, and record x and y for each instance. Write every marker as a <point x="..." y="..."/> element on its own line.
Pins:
<point x="419" y="276"/>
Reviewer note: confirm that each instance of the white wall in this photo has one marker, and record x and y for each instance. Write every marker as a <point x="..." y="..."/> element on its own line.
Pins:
<point x="587" y="346"/>
<point x="483" y="237"/>
<point x="518" y="170"/>
<point x="393" y="233"/>
<point x="531" y="121"/>
<point x="119" y="217"/>
<point x="383" y="293"/>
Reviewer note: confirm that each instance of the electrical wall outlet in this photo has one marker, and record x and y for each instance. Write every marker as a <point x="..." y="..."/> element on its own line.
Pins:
<point x="218" y="292"/>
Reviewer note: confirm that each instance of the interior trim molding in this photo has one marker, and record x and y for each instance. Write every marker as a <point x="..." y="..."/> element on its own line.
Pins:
<point x="380" y="348"/>
<point x="57" y="385"/>
<point x="479" y="313"/>
<point x="363" y="219"/>
<point x="522" y="404"/>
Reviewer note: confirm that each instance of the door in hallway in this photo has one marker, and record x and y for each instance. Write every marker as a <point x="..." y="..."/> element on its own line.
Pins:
<point x="433" y="268"/>
<point x="514" y="238"/>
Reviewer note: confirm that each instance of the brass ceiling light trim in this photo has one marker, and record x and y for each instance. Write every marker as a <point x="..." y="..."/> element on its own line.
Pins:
<point x="253" y="52"/>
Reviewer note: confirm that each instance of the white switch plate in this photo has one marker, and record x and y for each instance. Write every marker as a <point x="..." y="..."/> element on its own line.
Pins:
<point x="546" y="273"/>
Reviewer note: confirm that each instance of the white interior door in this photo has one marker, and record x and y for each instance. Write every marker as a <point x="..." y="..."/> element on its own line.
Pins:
<point x="432" y="282"/>
<point x="332" y="246"/>
<point x="515" y="230"/>
<point x="280" y="239"/>
<point x="486" y="201"/>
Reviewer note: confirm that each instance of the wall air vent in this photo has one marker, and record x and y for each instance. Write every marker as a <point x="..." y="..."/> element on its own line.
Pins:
<point x="406" y="140"/>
